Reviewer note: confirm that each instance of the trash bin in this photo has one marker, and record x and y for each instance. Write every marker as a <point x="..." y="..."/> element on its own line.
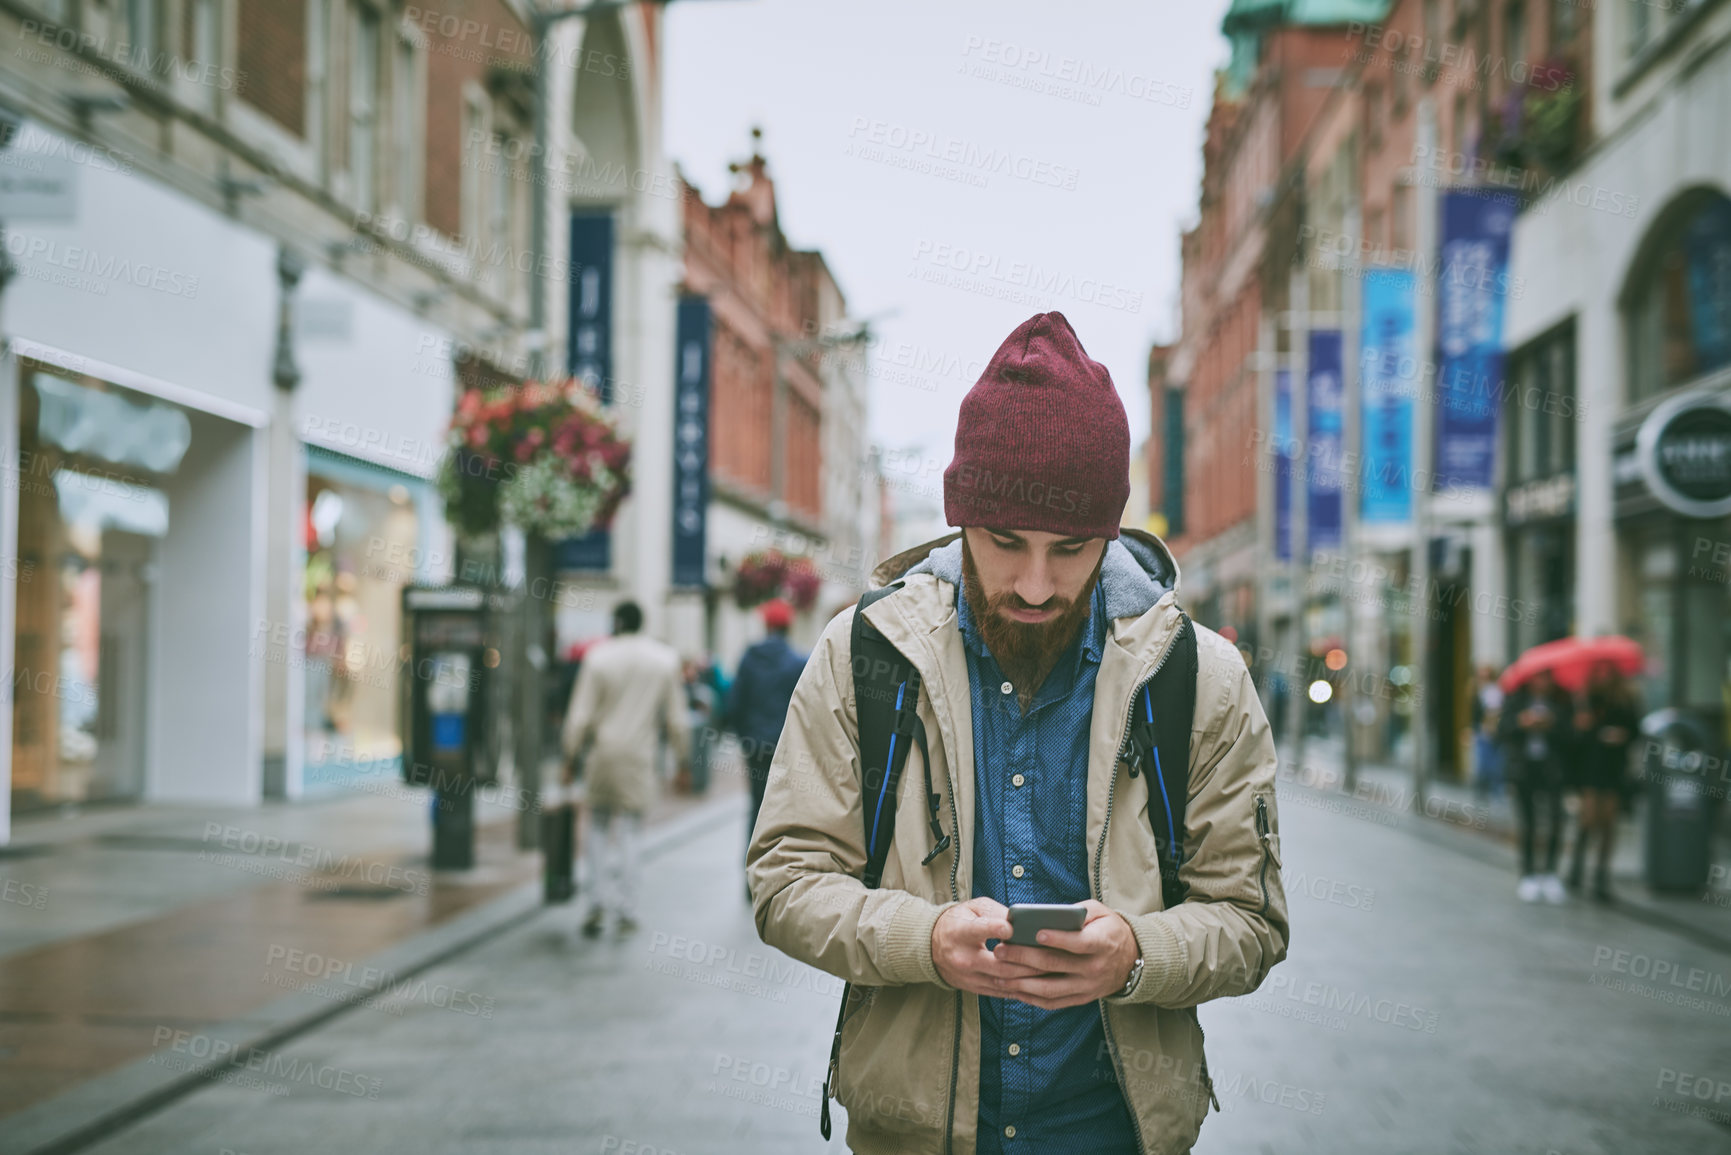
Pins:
<point x="1679" y="756"/>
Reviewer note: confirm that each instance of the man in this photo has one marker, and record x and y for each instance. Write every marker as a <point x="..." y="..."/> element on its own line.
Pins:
<point x="628" y="696"/>
<point x="1033" y="634"/>
<point x="768" y="672"/>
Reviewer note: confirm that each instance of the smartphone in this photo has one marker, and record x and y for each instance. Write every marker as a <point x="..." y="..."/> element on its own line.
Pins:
<point x="1029" y="918"/>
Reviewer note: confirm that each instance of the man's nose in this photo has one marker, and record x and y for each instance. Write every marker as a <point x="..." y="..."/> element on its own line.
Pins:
<point x="1034" y="586"/>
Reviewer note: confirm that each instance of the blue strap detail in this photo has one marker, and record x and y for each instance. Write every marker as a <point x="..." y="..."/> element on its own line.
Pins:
<point x="1171" y="829"/>
<point x="885" y="785"/>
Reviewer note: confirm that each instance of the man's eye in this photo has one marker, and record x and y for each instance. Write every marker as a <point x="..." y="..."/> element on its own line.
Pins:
<point x="1068" y="550"/>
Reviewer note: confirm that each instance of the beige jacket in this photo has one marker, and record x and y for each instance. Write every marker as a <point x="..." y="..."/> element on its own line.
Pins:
<point x="909" y="1068"/>
<point x="627" y="697"/>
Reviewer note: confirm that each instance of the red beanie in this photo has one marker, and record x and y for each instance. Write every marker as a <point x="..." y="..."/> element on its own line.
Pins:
<point x="1042" y="441"/>
<point x="777" y="614"/>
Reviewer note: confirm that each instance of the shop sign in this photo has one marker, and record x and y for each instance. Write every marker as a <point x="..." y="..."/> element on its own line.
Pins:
<point x="1684" y="448"/>
<point x="691" y="443"/>
<point x="1540" y="500"/>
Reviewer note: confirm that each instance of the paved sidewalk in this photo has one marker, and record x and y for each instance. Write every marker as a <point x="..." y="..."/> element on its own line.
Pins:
<point x="1389" y="790"/>
<point x="126" y="922"/>
<point x="1422" y="1011"/>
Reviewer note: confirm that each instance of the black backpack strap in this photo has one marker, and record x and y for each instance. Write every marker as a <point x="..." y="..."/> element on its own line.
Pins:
<point x="886" y="704"/>
<point x="1161" y="717"/>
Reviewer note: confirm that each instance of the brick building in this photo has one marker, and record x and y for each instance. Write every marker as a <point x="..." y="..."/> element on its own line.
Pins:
<point x="788" y="463"/>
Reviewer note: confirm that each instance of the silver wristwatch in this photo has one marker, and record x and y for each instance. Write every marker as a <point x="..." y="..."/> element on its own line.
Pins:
<point x="1135" y="977"/>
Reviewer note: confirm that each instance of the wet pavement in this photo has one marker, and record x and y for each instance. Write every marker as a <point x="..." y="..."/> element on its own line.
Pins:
<point x="1422" y="1009"/>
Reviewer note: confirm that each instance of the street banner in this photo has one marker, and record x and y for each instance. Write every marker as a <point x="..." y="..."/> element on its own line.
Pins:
<point x="1325" y="437"/>
<point x="1282" y="461"/>
<point x="1388" y="371"/>
<point x="589" y="353"/>
<point x="1472" y="285"/>
<point x="690" y="442"/>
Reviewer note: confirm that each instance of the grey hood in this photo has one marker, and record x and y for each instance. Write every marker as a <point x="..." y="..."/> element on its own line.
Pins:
<point x="1138" y="571"/>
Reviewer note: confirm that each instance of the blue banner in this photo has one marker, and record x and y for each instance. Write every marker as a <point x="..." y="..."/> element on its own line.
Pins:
<point x="589" y="352"/>
<point x="1325" y="415"/>
<point x="1472" y="285"/>
<point x="691" y="442"/>
<point x="1282" y="465"/>
<point x="1707" y="241"/>
<point x="1388" y="372"/>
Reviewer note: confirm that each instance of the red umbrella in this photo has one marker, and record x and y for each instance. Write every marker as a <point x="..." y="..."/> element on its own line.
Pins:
<point x="1570" y="660"/>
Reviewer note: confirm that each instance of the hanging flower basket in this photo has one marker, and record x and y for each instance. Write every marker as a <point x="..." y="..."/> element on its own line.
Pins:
<point x="769" y="573"/>
<point x="544" y="457"/>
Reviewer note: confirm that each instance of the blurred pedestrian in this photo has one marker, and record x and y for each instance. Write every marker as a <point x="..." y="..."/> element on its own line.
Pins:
<point x="701" y="703"/>
<point x="628" y="698"/>
<point x="1487" y="710"/>
<point x="762" y="690"/>
<point x="1607" y="720"/>
<point x="1537" y="731"/>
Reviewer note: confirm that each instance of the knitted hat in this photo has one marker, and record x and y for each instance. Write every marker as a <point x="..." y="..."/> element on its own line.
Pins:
<point x="1042" y="441"/>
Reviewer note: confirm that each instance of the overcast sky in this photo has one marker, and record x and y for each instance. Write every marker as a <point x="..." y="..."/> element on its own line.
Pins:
<point x="1052" y="151"/>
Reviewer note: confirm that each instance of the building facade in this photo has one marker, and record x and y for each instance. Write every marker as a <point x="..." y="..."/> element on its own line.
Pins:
<point x="788" y="464"/>
<point x="255" y="251"/>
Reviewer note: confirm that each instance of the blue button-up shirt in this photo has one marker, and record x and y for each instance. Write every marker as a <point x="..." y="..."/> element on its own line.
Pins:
<point x="1058" y="1090"/>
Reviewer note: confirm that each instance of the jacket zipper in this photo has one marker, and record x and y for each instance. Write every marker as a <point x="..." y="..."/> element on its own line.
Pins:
<point x="955" y="896"/>
<point x="1263" y="832"/>
<point x="1100" y="867"/>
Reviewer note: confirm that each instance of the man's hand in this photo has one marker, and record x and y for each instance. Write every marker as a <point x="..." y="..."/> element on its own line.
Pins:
<point x="1070" y="967"/>
<point x="959" y="948"/>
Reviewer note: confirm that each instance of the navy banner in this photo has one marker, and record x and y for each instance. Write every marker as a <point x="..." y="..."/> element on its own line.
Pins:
<point x="589" y="352"/>
<point x="1471" y="288"/>
<point x="691" y="442"/>
<point x="1283" y="465"/>
<point x="1326" y="436"/>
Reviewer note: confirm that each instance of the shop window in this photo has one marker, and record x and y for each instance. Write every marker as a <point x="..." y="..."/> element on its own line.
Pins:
<point x="91" y="509"/>
<point x="1678" y="299"/>
<point x="1540" y="413"/>
<point x="364" y="106"/>
<point x="363" y="545"/>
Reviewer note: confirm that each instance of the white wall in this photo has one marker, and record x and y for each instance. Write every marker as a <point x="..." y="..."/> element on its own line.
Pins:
<point x="206" y="692"/>
<point x="215" y="338"/>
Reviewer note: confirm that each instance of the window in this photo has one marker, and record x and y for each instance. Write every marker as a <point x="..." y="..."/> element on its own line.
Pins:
<point x="318" y="73"/>
<point x="1565" y="22"/>
<point x="1373" y="114"/>
<point x="406" y="118"/>
<point x="1402" y="218"/>
<point x="475" y="130"/>
<point x="499" y="196"/>
<point x="1172" y="463"/>
<point x="143" y="34"/>
<point x="364" y="106"/>
<point x="1641" y="26"/>
<point x="206" y="46"/>
<point x="1540" y="411"/>
<point x="1678" y="300"/>
<point x="1515" y="37"/>
<point x="1400" y="83"/>
<point x="1461" y="127"/>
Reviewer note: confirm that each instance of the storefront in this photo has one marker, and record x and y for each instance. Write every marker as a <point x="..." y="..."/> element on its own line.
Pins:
<point x="362" y="527"/>
<point x="1672" y="459"/>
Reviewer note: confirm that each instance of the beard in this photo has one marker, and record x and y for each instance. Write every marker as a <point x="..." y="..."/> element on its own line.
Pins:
<point x="1025" y="651"/>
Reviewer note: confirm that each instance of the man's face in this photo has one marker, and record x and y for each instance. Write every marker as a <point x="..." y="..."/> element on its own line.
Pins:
<point x="1030" y="576"/>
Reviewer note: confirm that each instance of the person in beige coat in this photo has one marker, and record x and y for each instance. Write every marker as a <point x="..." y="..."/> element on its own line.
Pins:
<point x="628" y="698"/>
<point x="954" y="1042"/>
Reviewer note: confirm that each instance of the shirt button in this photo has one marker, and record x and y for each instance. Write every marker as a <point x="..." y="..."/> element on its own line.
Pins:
<point x="1017" y="870"/>
<point x="1017" y="780"/>
<point x="1010" y="1132"/>
<point x="1007" y="688"/>
<point x="1015" y="1049"/>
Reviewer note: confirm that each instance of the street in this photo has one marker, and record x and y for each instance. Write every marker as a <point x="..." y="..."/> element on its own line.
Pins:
<point x="1421" y="1009"/>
